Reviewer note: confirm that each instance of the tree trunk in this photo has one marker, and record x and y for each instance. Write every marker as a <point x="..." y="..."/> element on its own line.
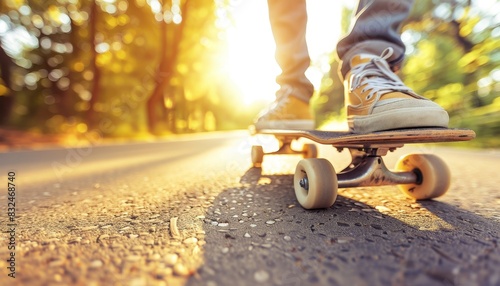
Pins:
<point x="95" y="91"/>
<point x="155" y="105"/>
<point x="163" y="75"/>
<point x="6" y="100"/>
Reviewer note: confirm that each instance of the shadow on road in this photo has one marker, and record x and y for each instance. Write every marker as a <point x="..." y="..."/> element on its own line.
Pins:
<point x="258" y="234"/>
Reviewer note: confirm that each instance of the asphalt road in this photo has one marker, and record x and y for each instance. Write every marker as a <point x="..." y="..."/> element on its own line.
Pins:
<point x="192" y="211"/>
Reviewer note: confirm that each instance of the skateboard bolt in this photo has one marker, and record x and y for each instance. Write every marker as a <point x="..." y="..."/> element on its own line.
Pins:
<point x="304" y="183"/>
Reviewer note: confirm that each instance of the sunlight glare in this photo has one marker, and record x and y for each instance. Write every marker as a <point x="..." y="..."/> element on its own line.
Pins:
<point x="250" y="61"/>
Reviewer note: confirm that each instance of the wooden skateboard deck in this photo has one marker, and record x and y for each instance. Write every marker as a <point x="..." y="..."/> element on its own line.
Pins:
<point x="391" y="137"/>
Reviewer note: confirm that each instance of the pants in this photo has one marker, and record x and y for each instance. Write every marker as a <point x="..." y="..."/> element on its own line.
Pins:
<point x="375" y="28"/>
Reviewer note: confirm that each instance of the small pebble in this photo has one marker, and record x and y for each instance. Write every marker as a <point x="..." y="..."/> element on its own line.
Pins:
<point x="57" y="277"/>
<point x="133" y="258"/>
<point x="181" y="270"/>
<point x="270" y="222"/>
<point x="155" y="257"/>
<point x="345" y="239"/>
<point x="191" y="240"/>
<point x="287" y="238"/>
<point x="196" y="250"/>
<point x="383" y="209"/>
<point x="171" y="259"/>
<point x="247" y="235"/>
<point x="261" y="276"/>
<point x="96" y="264"/>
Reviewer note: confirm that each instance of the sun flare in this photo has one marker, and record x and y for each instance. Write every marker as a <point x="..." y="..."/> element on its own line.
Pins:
<point x="250" y="62"/>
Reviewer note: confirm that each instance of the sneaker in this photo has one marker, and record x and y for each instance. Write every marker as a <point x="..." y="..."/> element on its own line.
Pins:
<point x="378" y="100"/>
<point x="290" y="110"/>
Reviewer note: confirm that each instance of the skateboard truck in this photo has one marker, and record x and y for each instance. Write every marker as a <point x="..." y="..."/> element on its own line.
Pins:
<point x="367" y="168"/>
<point x="285" y="148"/>
<point x="370" y="170"/>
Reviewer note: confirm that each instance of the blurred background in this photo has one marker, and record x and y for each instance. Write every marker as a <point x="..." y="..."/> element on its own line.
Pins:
<point x="72" y="70"/>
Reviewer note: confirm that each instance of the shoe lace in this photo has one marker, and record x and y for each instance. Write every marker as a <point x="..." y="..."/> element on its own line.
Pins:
<point x="376" y="76"/>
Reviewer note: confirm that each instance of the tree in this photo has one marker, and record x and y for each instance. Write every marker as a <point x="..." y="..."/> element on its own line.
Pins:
<point x="6" y="99"/>
<point x="169" y="51"/>
<point x="96" y="72"/>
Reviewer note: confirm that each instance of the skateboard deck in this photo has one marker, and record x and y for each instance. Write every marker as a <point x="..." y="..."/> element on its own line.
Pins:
<point x="419" y="176"/>
<point x="391" y="137"/>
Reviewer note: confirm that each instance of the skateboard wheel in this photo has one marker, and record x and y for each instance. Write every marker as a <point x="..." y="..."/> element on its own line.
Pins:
<point x="433" y="176"/>
<point x="310" y="150"/>
<point x="257" y="155"/>
<point x="315" y="183"/>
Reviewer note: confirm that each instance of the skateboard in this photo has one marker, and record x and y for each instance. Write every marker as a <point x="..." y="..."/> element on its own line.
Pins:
<point x="419" y="176"/>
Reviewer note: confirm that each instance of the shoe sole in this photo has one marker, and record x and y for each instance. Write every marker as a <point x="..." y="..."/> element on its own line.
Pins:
<point x="399" y="119"/>
<point x="286" y="124"/>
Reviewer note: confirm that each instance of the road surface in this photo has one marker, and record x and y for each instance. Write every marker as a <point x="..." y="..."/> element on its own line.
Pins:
<point x="192" y="211"/>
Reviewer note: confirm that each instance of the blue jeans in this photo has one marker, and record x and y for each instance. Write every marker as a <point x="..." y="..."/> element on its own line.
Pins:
<point x="375" y="27"/>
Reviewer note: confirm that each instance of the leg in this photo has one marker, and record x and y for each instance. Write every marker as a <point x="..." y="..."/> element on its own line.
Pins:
<point x="288" y="20"/>
<point x="291" y="109"/>
<point x="375" y="28"/>
<point x="370" y="54"/>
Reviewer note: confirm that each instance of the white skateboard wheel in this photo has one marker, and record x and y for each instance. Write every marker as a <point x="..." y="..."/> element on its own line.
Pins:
<point x="257" y="155"/>
<point x="315" y="183"/>
<point x="310" y="151"/>
<point x="432" y="174"/>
